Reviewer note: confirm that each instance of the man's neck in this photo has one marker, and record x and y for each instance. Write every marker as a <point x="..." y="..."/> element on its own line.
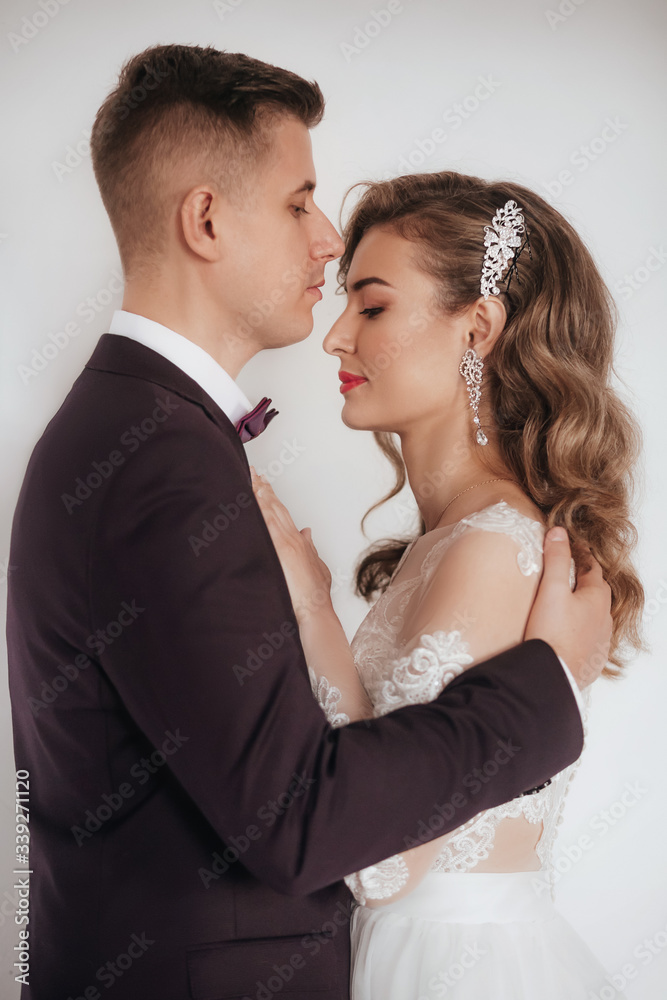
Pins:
<point x="203" y="325"/>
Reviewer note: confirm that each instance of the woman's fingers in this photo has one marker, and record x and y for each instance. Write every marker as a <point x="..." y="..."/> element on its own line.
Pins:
<point x="275" y="512"/>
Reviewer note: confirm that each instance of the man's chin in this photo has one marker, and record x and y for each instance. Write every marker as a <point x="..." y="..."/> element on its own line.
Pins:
<point x="291" y="333"/>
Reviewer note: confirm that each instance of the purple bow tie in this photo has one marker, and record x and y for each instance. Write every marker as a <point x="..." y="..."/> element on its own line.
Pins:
<point x="256" y="421"/>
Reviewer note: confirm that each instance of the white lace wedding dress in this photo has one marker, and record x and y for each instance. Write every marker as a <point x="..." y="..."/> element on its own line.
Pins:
<point x="471" y="914"/>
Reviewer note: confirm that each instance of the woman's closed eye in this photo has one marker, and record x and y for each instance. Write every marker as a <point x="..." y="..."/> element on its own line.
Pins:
<point x="371" y="312"/>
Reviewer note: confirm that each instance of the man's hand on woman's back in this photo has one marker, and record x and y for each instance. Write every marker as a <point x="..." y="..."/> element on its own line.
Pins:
<point x="576" y="624"/>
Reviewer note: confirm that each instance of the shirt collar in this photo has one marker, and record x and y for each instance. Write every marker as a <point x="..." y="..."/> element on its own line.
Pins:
<point x="186" y="355"/>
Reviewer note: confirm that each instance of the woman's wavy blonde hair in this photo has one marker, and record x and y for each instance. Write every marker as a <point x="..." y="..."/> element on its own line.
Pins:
<point x="563" y="431"/>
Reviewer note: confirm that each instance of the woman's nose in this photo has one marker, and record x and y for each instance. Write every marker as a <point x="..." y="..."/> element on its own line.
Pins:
<point x="340" y="337"/>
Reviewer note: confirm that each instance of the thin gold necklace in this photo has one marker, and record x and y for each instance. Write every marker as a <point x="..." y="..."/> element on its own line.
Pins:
<point x="502" y="480"/>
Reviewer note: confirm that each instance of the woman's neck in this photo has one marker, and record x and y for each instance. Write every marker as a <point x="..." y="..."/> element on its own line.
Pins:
<point x="442" y="461"/>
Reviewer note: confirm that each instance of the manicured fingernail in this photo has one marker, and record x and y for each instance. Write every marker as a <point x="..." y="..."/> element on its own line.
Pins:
<point x="558" y="535"/>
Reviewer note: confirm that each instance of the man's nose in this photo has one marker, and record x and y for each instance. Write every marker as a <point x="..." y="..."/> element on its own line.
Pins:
<point x="327" y="242"/>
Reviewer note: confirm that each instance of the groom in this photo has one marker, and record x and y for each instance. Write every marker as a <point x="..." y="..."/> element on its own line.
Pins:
<point x="190" y="825"/>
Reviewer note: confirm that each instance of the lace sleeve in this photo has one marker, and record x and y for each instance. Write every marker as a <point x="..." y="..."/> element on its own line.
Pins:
<point x="332" y="670"/>
<point x="328" y="696"/>
<point x="471" y="603"/>
<point x="417" y="677"/>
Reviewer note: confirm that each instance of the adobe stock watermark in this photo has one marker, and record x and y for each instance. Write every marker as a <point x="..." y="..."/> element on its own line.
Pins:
<point x="74" y="156"/>
<point x="589" y="670"/>
<point x="114" y="969"/>
<point x="87" y="310"/>
<point x="655" y="604"/>
<point x="131" y="439"/>
<point x="454" y="117"/>
<point x="36" y="22"/>
<point x="99" y="641"/>
<point x="9" y="905"/>
<point x="310" y="946"/>
<point x="111" y="802"/>
<point x="584" y="156"/>
<point x="418" y="321"/>
<point x="406" y="507"/>
<point x="225" y="7"/>
<point x="212" y="528"/>
<point x="635" y="281"/>
<point x="565" y="10"/>
<point x="364" y="34"/>
<point x="289" y="453"/>
<point x="262" y="309"/>
<point x="645" y="952"/>
<point x="273" y="641"/>
<point x="473" y="781"/>
<point x="443" y="982"/>
<point x="267" y="814"/>
<point x="598" y="827"/>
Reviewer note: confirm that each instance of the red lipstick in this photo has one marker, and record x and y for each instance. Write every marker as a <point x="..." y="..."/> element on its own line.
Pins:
<point x="350" y="381"/>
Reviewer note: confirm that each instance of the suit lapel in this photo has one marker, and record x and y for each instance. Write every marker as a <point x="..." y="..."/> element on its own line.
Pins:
<point x="124" y="356"/>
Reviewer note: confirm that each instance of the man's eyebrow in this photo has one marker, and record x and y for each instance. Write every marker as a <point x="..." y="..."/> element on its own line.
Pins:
<point x="307" y="186"/>
<point x="358" y="285"/>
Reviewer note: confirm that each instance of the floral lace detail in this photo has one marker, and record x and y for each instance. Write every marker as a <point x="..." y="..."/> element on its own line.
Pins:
<point x="527" y="533"/>
<point x="378" y="881"/>
<point x="554" y="817"/>
<point x="328" y="697"/>
<point x="421" y="675"/>
<point x="376" y="642"/>
<point x="393" y="680"/>
<point x="473" y="841"/>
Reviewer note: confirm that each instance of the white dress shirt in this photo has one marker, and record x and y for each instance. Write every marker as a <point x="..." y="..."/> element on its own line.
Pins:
<point x="186" y="355"/>
<point x="575" y="686"/>
<point x="212" y="377"/>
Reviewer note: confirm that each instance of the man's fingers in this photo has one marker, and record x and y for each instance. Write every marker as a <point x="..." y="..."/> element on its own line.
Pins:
<point x="557" y="556"/>
<point x="590" y="575"/>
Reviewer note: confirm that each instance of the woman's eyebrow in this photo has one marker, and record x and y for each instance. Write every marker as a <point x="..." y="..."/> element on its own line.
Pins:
<point x="358" y="285"/>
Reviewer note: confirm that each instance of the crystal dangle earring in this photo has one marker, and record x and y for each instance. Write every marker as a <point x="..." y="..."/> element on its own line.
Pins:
<point x="471" y="368"/>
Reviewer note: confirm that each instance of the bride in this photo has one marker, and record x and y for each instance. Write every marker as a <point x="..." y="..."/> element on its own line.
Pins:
<point x="478" y="330"/>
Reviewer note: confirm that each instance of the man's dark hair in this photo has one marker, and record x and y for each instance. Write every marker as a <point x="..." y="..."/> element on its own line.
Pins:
<point x="183" y="105"/>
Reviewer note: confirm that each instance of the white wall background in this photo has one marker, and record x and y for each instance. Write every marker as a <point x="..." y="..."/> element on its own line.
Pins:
<point x="559" y="74"/>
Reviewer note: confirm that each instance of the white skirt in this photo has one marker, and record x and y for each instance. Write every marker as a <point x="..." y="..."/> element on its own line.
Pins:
<point x="472" y="936"/>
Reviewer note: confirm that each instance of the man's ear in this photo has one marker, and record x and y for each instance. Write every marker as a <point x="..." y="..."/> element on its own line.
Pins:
<point x="201" y="223"/>
<point x="487" y="321"/>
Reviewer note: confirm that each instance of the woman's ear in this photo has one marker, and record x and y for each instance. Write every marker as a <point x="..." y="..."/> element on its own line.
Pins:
<point x="487" y="321"/>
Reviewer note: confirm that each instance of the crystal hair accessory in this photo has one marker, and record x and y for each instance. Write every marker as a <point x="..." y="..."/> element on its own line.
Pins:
<point x="502" y="239"/>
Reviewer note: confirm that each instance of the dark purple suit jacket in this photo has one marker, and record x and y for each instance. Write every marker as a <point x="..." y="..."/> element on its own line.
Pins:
<point x="192" y="812"/>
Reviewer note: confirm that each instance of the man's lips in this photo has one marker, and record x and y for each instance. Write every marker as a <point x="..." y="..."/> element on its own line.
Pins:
<point x="350" y="381"/>
<point x="315" y="289"/>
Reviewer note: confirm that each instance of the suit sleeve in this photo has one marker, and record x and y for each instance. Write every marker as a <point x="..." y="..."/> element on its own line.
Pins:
<point x="211" y="649"/>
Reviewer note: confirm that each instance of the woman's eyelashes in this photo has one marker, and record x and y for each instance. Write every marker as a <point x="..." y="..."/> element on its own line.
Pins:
<point x="372" y="312"/>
